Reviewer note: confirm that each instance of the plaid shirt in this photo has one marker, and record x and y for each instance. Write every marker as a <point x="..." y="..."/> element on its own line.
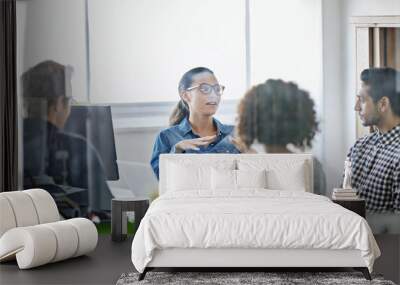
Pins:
<point x="376" y="170"/>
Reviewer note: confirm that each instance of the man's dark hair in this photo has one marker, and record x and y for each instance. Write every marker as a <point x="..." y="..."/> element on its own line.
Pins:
<point x="383" y="82"/>
<point x="42" y="85"/>
<point x="45" y="80"/>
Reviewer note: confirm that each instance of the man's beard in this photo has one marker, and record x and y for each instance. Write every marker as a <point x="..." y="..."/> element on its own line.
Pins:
<point x="372" y="120"/>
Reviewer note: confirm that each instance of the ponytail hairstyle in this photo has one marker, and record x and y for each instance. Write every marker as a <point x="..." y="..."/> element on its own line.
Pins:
<point x="181" y="110"/>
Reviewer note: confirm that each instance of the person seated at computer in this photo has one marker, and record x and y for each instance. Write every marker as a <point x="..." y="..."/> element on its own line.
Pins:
<point x="55" y="160"/>
<point x="193" y="128"/>
<point x="375" y="158"/>
<point x="279" y="117"/>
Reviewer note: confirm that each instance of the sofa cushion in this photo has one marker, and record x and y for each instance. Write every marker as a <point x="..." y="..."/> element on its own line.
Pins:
<point x="251" y="178"/>
<point x="23" y="208"/>
<point x="189" y="174"/>
<point x="282" y="174"/>
<point x="237" y="179"/>
<point x="45" y="205"/>
<point x="30" y="230"/>
<point x="40" y="244"/>
<point x="7" y="218"/>
<point x="26" y="208"/>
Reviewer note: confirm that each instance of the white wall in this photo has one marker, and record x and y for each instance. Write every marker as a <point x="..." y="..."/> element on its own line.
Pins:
<point x="286" y="43"/>
<point x="332" y="117"/>
<point x="55" y="30"/>
<point x="140" y="49"/>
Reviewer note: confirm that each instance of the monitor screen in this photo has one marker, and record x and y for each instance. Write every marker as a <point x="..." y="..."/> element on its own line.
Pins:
<point x="94" y="123"/>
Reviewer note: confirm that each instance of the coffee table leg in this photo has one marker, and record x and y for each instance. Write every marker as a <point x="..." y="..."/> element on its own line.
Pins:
<point x="140" y="211"/>
<point x="116" y="221"/>
<point x="124" y="225"/>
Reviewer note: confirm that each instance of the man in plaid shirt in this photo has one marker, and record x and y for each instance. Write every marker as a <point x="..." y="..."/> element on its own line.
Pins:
<point x="375" y="158"/>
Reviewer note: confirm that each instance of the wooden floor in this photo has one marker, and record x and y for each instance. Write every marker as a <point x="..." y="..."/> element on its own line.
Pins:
<point x="103" y="266"/>
<point x="111" y="259"/>
<point x="389" y="262"/>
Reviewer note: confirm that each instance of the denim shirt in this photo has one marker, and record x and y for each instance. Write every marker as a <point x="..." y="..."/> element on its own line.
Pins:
<point x="168" y="138"/>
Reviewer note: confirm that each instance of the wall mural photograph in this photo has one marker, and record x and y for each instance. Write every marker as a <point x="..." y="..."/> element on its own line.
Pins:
<point x="242" y="134"/>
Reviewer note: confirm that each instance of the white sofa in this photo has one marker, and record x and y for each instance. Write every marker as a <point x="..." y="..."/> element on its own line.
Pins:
<point x="31" y="231"/>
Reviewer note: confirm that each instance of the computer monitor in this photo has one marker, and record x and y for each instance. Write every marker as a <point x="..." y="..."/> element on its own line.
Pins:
<point x="94" y="123"/>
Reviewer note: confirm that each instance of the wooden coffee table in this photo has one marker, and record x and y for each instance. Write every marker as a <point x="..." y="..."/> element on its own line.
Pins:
<point x="119" y="207"/>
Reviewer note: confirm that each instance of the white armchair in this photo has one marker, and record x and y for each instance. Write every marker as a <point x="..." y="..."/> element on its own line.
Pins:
<point x="31" y="231"/>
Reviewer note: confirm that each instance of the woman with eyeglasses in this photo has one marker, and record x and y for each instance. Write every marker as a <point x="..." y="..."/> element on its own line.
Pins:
<point x="193" y="129"/>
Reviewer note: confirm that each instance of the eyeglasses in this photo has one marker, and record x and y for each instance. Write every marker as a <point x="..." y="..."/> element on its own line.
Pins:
<point x="207" y="88"/>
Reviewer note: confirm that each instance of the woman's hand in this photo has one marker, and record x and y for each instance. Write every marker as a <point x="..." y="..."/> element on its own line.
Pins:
<point x="194" y="144"/>
<point x="240" y="145"/>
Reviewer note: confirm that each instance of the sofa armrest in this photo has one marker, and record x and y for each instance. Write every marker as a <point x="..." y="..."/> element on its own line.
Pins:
<point x="40" y="244"/>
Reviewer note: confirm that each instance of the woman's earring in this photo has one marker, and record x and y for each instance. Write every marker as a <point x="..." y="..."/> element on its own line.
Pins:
<point x="183" y="104"/>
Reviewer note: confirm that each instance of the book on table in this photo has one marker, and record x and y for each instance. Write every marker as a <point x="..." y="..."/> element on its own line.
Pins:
<point x="344" y="194"/>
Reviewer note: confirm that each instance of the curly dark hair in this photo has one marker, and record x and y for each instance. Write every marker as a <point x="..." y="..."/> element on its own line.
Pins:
<point x="277" y="113"/>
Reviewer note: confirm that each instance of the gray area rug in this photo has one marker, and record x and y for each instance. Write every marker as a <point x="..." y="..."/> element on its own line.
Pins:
<point x="273" y="278"/>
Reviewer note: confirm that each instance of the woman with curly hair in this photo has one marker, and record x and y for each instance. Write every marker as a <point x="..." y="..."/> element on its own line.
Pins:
<point x="277" y="114"/>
